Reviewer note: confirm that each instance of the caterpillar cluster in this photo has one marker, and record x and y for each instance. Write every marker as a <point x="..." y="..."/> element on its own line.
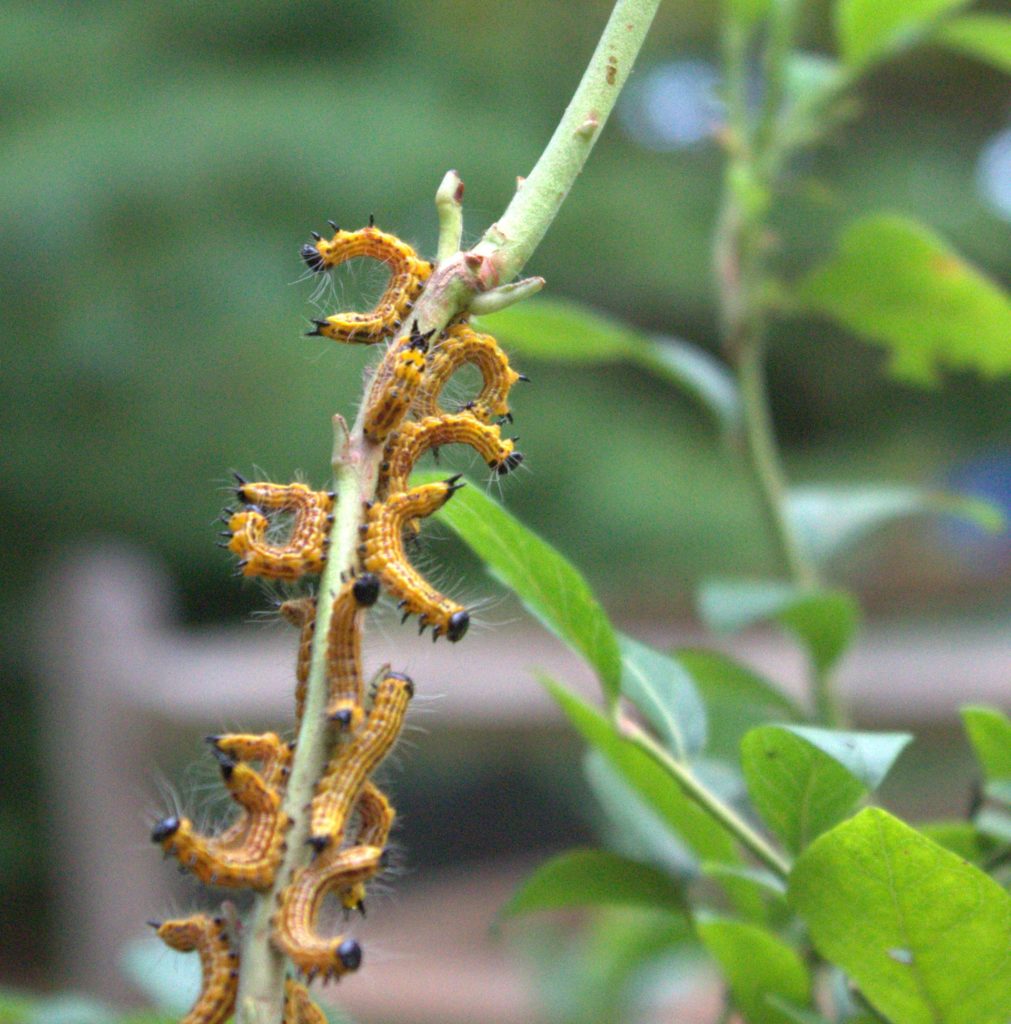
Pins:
<point x="282" y="532"/>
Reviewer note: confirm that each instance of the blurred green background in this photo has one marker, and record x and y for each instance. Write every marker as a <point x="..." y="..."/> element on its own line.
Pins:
<point x="163" y="162"/>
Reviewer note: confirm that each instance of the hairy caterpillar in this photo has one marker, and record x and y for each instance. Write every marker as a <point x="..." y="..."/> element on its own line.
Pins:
<point x="246" y="854"/>
<point x="299" y="1007"/>
<point x="382" y="552"/>
<point x="339" y="788"/>
<point x="408" y="273"/>
<point x="305" y="551"/>
<point x="344" y="650"/>
<point x="412" y="440"/>
<point x="301" y="612"/>
<point x="295" y="923"/>
<point x="375" y="819"/>
<point x="218" y="961"/>
<point x="461" y="345"/>
<point x="397" y="380"/>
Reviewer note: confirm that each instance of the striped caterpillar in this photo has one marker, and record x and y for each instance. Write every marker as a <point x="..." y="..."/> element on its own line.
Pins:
<point x="299" y="1007"/>
<point x="395" y="384"/>
<point x="461" y="346"/>
<point x="305" y="550"/>
<point x="382" y="552"/>
<point x="244" y="855"/>
<point x="344" y="651"/>
<point x="341" y="784"/>
<point x="219" y="964"/>
<point x="412" y="440"/>
<point x="301" y="612"/>
<point x="408" y="274"/>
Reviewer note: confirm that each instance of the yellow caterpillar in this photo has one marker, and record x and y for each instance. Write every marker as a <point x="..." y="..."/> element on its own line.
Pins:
<point x="344" y="651"/>
<point x="394" y="386"/>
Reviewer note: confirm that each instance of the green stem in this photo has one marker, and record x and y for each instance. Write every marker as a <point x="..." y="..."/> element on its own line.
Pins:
<point x="459" y="276"/>
<point x="708" y="801"/>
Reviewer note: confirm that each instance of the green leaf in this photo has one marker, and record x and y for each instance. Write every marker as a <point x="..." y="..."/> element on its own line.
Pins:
<point x="924" y="934"/>
<point x="736" y="698"/>
<point x="747" y="12"/>
<point x="868" y="30"/>
<point x="656" y="788"/>
<point x="547" y="583"/>
<point x="666" y="697"/>
<point x="868" y="756"/>
<point x="632" y="827"/>
<point x="797" y="1014"/>
<point x="896" y="283"/>
<point x="830" y="520"/>
<point x="984" y="36"/>
<point x="989" y="733"/>
<point x="823" y="620"/>
<point x="582" y="878"/>
<point x="798" y="790"/>
<point x="758" y="967"/>
<point x="961" y="838"/>
<point x="569" y="332"/>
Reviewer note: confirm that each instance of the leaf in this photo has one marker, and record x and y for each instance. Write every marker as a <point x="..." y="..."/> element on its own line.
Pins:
<point x="989" y="733"/>
<point x="896" y="283"/>
<point x="665" y="695"/>
<point x="868" y="756"/>
<point x="656" y="788"/>
<point x="868" y="30"/>
<point x="823" y="620"/>
<point x="830" y="520"/>
<point x="797" y="1014"/>
<point x="581" y="878"/>
<point x="547" y="583"/>
<point x="758" y="966"/>
<point x="923" y="934"/>
<point x="736" y="698"/>
<point x="961" y="838"/>
<point x="570" y="332"/>
<point x="984" y="36"/>
<point x="747" y="12"/>
<point x="799" y="791"/>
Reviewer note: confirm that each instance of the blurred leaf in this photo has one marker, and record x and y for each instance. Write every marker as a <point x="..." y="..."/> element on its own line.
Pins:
<point x="699" y="374"/>
<point x="757" y="895"/>
<point x="984" y="36"/>
<point x="896" y="283"/>
<point x="761" y="879"/>
<point x="736" y="699"/>
<point x="664" y="694"/>
<point x="868" y="30"/>
<point x="799" y="791"/>
<point x="659" y="791"/>
<point x="747" y="11"/>
<point x="797" y="1014"/>
<point x="170" y="980"/>
<point x="633" y="828"/>
<point x="960" y="837"/>
<point x="547" y="583"/>
<point x="924" y="934"/>
<point x="829" y="520"/>
<point x="15" y="1007"/>
<point x="989" y="732"/>
<point x="569" y="332"/>
<point x="823" y="620"/>
<point x="758" y="966"/>
<point x="582" y="878"/>
<point x="868" y="756"/>
<point x="809" y="74"/>
<point x="994" y="824"/>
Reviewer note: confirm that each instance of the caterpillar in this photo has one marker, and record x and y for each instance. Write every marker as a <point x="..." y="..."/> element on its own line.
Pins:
<point x="375" y="819"/>
<point x="305" y="551"/>
<point x="461" y="345"/>
<point x="382" y="552"/>
<point x="294" y="932"/>
<point x="344" y="650"/>
<point x="301" y="612"/>
<point x="395" y="384"/>
<point x="408" y="274"/>
<point x="339" y="788"/>
<point x="246" y="854"/>
<point x="299" y="1007"/>
<point x="412" y="440"/>
<point x="218" y="960"/>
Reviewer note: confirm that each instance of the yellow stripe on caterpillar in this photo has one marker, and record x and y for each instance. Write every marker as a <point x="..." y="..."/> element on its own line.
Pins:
<point x="301" y="612"/>
<point x="382" y="552"/>
<point x="408" y="274"/>
<point x="394" y="385"/>
<point x="219" y="964"/>
<point x="299" y="1007"/>
<point x="344" y="651"/>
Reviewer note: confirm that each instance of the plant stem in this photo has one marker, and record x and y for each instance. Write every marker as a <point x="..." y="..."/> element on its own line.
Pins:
<point x="708" y="801"/>
<point x="499" y="257"/>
